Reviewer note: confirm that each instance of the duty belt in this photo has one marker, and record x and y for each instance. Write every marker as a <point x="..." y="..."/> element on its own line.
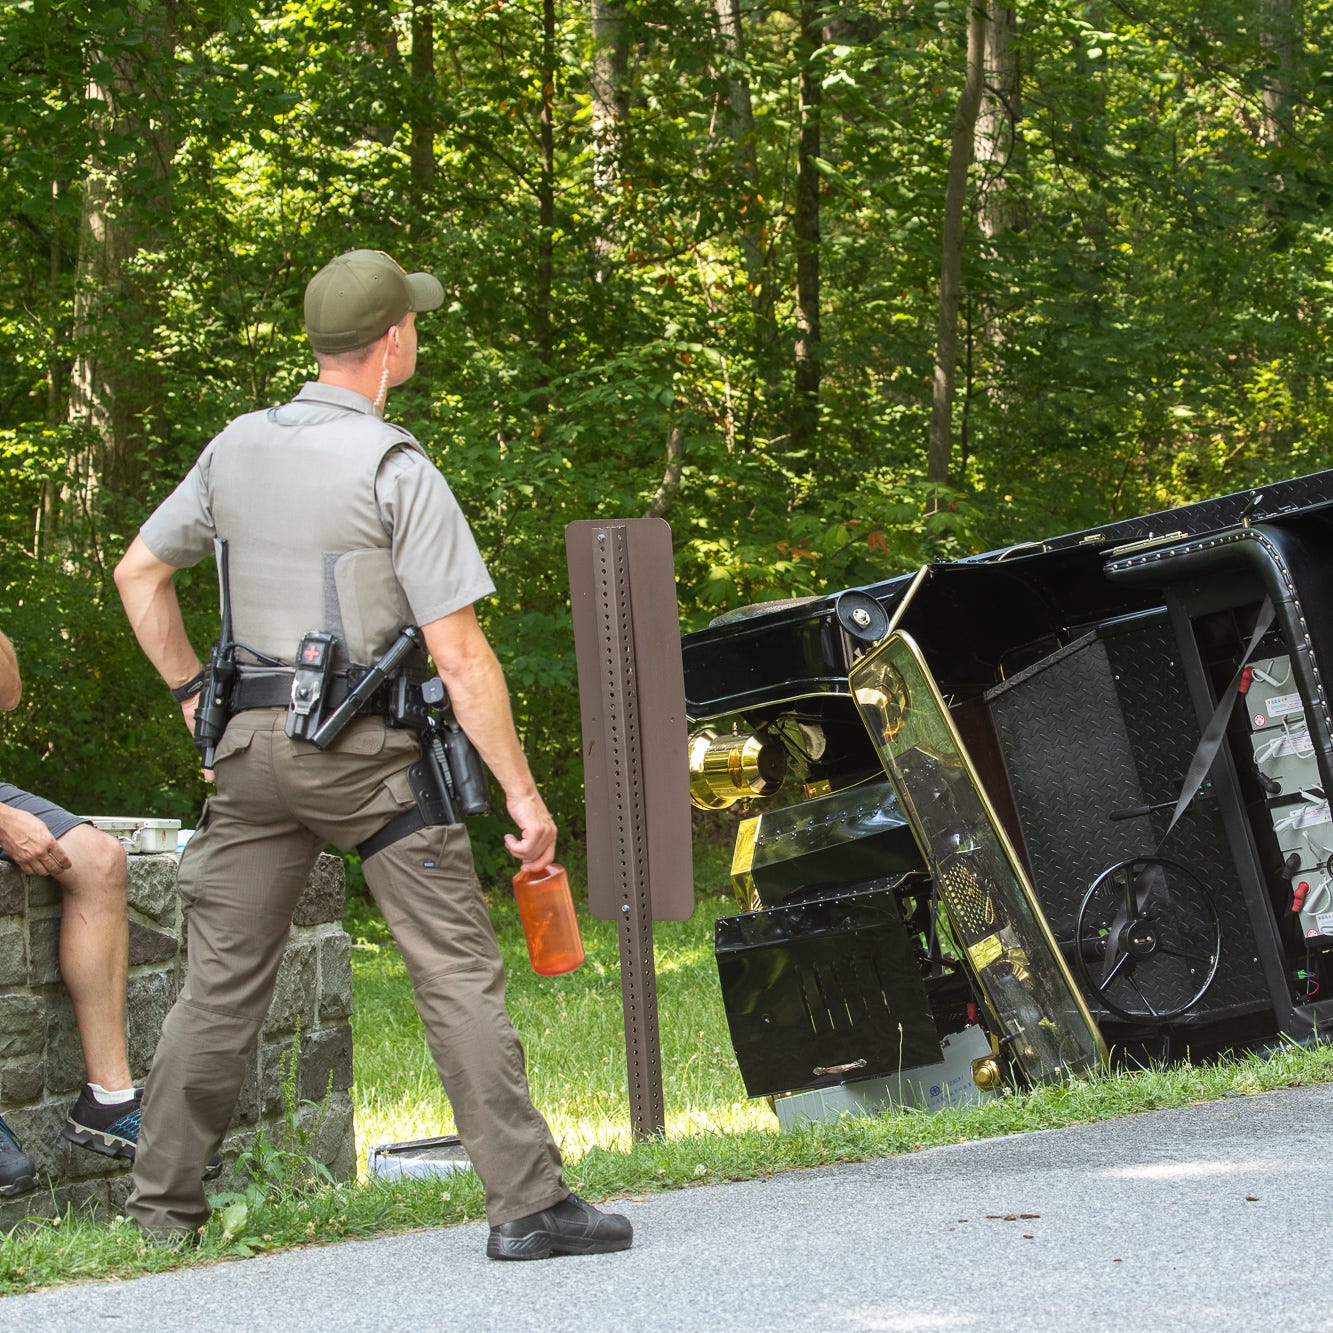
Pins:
<point x="272" y="688"/>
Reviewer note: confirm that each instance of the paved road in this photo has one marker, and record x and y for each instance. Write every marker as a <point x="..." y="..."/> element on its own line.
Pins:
<point x="1210" y="1218"/>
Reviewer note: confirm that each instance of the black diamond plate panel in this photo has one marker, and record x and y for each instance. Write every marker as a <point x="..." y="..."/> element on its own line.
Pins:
<point x="1105" y="725"/>
<point x="1257" y="504"/>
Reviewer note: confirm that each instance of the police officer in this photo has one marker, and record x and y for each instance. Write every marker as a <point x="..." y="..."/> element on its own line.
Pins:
<point x="335" y="520"/>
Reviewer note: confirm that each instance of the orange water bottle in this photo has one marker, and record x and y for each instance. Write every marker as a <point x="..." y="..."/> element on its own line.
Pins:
<point x="550" y="927"/>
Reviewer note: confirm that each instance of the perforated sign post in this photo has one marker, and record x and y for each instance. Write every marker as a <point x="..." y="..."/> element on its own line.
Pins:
<point x="622" y="587"/>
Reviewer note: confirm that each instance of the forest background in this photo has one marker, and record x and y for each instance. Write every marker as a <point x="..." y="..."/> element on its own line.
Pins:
<point x="835" y="289"/>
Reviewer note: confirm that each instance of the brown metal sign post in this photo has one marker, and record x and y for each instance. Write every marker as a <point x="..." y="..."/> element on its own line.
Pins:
<point x="636" y="774"/>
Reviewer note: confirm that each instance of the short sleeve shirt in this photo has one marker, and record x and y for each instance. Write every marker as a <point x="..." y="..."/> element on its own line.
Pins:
<point x="435" y="555"/>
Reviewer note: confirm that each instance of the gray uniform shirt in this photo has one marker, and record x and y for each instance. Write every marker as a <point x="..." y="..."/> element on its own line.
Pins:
<point x="335" y="520"/>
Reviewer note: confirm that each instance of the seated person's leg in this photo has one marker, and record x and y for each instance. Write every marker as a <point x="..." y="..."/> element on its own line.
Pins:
<point x="41" y="838"/>
<point x="94" y="950"/>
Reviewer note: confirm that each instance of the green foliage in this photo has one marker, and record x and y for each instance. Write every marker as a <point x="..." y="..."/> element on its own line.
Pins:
<point x="1150" y="328"/>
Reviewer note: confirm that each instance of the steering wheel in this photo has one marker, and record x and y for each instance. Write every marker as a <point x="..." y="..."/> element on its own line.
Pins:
<point x="1148" y="939"/>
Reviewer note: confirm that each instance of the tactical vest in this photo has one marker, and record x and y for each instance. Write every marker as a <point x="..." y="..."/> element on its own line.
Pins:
<point x="292" y="489"/>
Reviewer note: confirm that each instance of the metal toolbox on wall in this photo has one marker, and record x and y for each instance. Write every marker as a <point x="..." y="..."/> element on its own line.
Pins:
<point x="140" y="836"/>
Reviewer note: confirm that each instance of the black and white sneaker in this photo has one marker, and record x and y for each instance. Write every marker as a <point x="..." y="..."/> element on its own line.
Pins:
<point x="110" y="1130"/>
<point x="114" y="1130"/>
<point x="17" y="1172"/>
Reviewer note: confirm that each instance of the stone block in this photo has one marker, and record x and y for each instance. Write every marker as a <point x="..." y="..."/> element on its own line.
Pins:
<point x="118" y="1190"/>
<point x="150" y="946"/>
<point x="88" y="1197"/>
<point x="85" y="1164"/>
<point x="151" y="886"/>
<point x="274" y="1064"/>
<point x="13" y="952"/>
<point x="149" y="996"/>
<point x="330" y="1135"/>
<point x="22" y="1083"/>
<point x="38" y="1202"/>
<point x="294" y="994"/>
<point x="247" y="1100"/>
<point x="22" y="1025"/>
<point x="326" y="1055"/>
<point x="335" y="977"/>
<point x="42" y="892"/>
<point x="38" y="1130"/>
<point x="325" y="895"/>
<point x="13" y="890"/>
<point x="43" y="948"/>
<point x="64" y="1055"/>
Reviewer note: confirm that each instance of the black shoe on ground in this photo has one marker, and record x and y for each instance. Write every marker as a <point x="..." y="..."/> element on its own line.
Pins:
<point x="114" y="1130"/>
<point x="569" y="1227"/>
<point x="17" y="1172"/>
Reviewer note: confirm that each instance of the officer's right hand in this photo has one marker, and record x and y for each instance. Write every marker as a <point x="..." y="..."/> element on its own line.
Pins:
<point x="534" y="848"/>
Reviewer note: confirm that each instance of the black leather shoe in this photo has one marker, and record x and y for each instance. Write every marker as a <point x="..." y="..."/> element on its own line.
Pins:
<point x="568" y="1227"/>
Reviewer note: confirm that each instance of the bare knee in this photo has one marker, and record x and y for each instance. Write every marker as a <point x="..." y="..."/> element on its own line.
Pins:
<point x="97" y="865"/>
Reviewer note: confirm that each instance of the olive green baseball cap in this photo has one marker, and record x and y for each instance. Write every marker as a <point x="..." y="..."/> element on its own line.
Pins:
<point x="353" y="299"/>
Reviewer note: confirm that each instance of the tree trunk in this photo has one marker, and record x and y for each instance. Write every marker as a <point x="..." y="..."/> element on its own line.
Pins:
<point x="752" y="236"/>
<point x="610" y="96"/>
<point x="997" y="138"/>
<point x="422" y="158"/>
<point x="805" y="407"/>
<point x="1280" y="40"/>
<point x="542" y="315"/>
<point x="116" y="385"/>
<point x="951" y="261"/>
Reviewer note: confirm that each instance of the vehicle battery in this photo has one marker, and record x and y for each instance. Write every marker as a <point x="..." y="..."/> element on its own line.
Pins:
<point x="1272" y="699"/>
<point x="1304" y="830"/>
<point x="1284" y="756"/>
<point x="1313" y="900"/>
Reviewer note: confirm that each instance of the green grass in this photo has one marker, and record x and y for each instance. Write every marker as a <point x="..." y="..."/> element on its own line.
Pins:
<point x="573" y="1031"/>
<point x="572" y="1028"/>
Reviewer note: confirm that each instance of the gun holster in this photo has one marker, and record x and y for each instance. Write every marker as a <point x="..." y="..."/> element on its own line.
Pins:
<point x="213" y="710"/>
<point x="430" y="787"/>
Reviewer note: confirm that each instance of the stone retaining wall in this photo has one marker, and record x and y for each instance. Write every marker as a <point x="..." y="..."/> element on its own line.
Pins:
<point x="41" y="1062"/>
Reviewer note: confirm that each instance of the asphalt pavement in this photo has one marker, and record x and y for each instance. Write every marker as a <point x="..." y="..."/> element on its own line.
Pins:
<point x="1202" y="1218"/>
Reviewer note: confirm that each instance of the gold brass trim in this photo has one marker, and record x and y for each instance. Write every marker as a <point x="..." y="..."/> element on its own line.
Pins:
<point x="742" y="863"/>
<point x="729" y="768"/>
<point x="984" y="952"/>
<point x="898" y="639"/>
<point x="987" y="1074"/>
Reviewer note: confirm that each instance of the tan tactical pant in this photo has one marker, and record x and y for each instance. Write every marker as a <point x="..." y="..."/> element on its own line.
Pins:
<point x="278" y="803"/>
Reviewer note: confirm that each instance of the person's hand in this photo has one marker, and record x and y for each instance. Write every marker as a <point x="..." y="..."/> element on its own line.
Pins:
<point x="534" y="848"/>
<point x="30" y="844"/>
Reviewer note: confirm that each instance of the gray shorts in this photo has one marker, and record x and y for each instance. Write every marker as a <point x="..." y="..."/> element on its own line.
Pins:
<point x="58" y="820"/>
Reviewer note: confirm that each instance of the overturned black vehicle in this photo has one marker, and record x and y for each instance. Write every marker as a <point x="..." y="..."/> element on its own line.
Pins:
<point x="1013" y="817"/>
